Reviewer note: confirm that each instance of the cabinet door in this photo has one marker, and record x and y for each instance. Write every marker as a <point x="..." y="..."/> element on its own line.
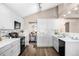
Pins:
<point x="5" y="48"/>
<point x="12" y="49"/>
<point x="55" y="43"/>
<point x="16" y="47"/>
<point x="42" y="26"/>
<point x="44" y="33"/>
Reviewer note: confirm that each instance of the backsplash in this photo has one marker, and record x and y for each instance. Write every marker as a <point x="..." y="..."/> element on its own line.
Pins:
<point x="4" y="32"/>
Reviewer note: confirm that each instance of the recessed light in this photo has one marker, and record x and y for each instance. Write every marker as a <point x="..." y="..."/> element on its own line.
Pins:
<point x="56" y="4"/>
<point x="69" y="12"/>
<point x="76" y="8"/>
<point x="64" y="15"/>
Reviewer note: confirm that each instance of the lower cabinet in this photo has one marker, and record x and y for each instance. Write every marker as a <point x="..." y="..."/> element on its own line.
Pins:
<point x="12" y="49"/>
<point x="56" y="44"/>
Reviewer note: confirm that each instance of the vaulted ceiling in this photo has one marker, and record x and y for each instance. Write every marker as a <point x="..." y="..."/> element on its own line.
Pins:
<point x="66" y="10"/>
<point x="69" y="10"/>
<point x="26" y="9"/>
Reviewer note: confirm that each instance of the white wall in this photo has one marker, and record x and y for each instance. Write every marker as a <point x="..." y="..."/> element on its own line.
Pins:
<point x="7" y="17"/>
<point x="26" y="29"/>
<point x="23" y="9"/>
<point x="73" y="25"/>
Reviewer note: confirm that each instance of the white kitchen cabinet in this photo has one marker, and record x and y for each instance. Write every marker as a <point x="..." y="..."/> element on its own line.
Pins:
<point x="44" y="35"/>
<point x="12" y="49"/>
<point x="56" y="43"/>
<point x="3" y="49"/>
<point x="16" y="48"/>
<point x="68" y="47"/>
<point x="72" y="48"/>
<point x="45" y="28"/>
<point x="9" y="52"/>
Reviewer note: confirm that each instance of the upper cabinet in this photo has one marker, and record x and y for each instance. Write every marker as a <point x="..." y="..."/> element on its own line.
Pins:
<point x="7" y="17"/>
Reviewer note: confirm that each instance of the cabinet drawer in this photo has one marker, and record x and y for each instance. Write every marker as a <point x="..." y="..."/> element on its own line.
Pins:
<point x="9" y="52"/>
<point x="16" y="52"/>
<point x="5" y="48"/>
<point x="2" y="54"/>
<point x="12" y="49"/>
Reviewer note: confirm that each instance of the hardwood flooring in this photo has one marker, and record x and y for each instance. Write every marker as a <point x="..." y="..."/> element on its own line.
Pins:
<point x="32" y="50"/>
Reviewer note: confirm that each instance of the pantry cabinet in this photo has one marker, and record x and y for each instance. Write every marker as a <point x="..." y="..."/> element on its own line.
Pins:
<point x="44" y="35"/>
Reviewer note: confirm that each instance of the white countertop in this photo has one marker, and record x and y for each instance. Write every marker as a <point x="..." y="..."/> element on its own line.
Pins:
<point x="66" y="39"/>
<point x="7" y="41"/>
<point x="69" y="39"/>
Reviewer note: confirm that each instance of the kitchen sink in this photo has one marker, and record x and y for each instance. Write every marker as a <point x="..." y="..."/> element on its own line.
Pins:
<point x="60" y="36"/>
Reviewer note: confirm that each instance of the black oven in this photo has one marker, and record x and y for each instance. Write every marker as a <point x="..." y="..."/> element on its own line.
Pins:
<point x="22" y="44"/>
<point x="17" y="25"/>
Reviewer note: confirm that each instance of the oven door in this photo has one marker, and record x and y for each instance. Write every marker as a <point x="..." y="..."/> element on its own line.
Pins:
<point x="22" y="42"/>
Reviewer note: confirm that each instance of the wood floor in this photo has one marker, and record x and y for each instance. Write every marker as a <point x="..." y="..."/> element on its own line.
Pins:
<point x="32" y="50"/>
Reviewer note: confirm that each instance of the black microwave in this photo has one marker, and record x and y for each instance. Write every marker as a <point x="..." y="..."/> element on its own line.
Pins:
<point x="17" y="25"/>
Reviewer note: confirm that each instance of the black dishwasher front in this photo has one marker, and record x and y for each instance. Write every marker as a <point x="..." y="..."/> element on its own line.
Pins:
<point x="61" y="47"/>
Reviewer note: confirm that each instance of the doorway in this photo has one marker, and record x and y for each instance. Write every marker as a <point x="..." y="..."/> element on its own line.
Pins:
<point x="67" y="27"/>
<point x="32" y="37"/>
<point x="32" y="33"/>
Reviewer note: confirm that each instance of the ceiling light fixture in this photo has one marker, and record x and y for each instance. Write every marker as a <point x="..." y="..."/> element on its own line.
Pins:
<point x="56" y="4"/>
<point x="64" y="15"/>
<point x="69" y="12"/>
<point x="76" y="8"/>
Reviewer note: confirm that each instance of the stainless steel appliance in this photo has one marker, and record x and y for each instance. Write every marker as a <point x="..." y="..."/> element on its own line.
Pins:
<point x="17" y="25"/>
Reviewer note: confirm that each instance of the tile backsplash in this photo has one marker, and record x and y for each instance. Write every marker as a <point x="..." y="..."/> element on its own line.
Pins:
<point x="4" y="32"/>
